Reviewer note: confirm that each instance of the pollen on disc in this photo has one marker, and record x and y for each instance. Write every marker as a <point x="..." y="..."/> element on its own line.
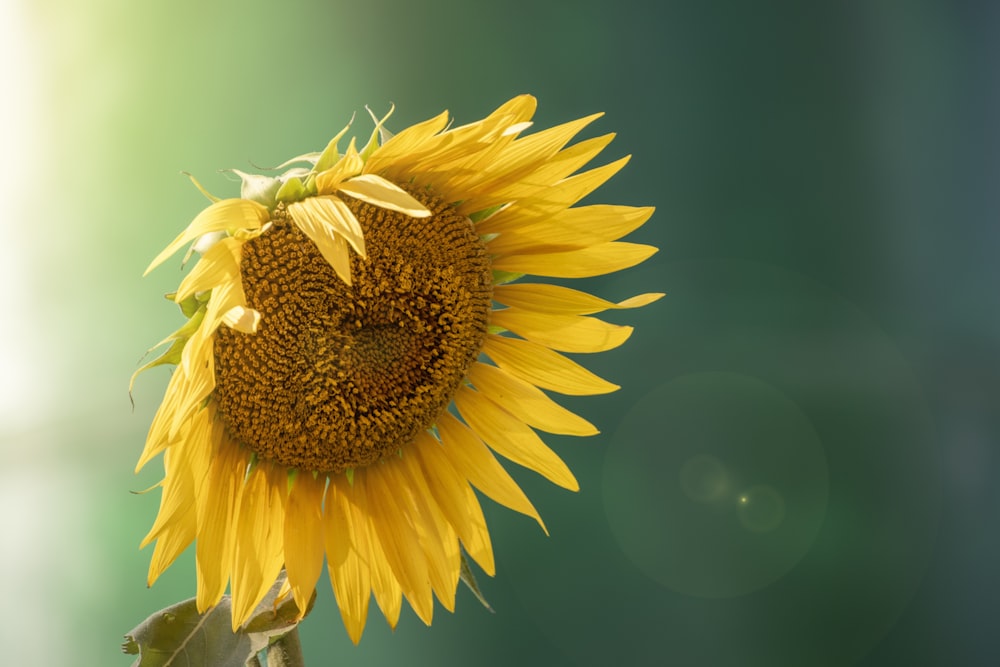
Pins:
<point x="339" y="376"/>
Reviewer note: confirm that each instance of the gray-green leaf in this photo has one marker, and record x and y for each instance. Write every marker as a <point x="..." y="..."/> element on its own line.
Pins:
<point x="179" y="636"/>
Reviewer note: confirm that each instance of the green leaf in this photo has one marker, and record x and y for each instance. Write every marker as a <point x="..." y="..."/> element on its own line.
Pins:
<point x="465" y="573"/>
<point x="179" y="636"/>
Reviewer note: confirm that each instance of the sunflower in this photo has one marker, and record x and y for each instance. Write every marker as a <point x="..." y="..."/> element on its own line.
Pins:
<point x="346" y="375"/>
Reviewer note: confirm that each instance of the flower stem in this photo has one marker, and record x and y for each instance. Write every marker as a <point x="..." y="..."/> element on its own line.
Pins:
<point x="286" y="651"/>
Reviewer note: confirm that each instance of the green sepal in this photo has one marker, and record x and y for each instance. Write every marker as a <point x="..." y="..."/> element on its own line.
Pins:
<point x="190" y="305"/>
<point x="171" y="356"/>
<point x="251" y="466"/>
<point x="349" y="473"/>
<point x="173" y="353"/>
<point x="291" y="190"/>
<point x="212" y="198"/>
<point x="494" y="329"/>
<point x="145" y="491"/>
<point x="258" y="188"/>
<point x="305" y="157"/>
<point x="379" y="135"/>
<point x="479" y="216"/>
<point x="194" y="321"/>
<point x="310" y="186"/>
<point x="293" y="473"/>
<point x="370" y="147"/>
<point x="328" y="157"/>
<point x="331" y="154"/>
<point x="465" y="574"/>
<point x="503" y="277"/>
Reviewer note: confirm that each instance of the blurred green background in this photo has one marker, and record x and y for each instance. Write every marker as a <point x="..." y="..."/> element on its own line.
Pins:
<point x="799" y="469"/>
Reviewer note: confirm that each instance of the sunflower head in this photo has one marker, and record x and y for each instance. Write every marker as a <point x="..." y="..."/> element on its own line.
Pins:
<point x="359" y="343"/>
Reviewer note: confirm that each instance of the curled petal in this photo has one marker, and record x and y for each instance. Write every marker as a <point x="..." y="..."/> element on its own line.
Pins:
<point x="379" y="192"/>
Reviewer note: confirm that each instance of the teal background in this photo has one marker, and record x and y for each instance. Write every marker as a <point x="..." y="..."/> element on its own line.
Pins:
<point x="800" y="466"/>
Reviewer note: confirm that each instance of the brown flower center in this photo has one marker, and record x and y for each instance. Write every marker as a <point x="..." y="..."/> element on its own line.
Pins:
<point x="340" y="376"/>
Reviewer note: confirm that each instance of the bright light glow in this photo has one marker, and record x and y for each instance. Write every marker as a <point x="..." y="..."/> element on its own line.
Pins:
<point x="21" y="348"/>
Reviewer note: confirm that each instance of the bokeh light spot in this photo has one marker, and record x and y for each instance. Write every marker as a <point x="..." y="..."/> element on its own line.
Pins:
<point x="726" y="500"/>
<point x="761" y="509"/>
<point x="704" y="478"/>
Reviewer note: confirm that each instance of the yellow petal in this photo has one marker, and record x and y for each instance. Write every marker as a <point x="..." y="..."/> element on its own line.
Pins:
<point x="476" y="463"/>
<point x="348" y="166"/>
<point x="158" y="438"/>
<point x="448" y="569"/>
<point x="326" y="160"/>
<point x="220" y="264"/>
<point x="450" y="152"/>
<point x="387" y="589"/>
<point x="327" y="231"/>
<point x="171" y="544"/>
<point x="514" y="111"/>
<point x="303" y="540"/>
<point x="456" y="499"/>
<point x="525" y="155"/>
<point x="197" y="353"/>
<point x="544" y="368"/>
<point x="222" y="215"/>
<point x="329" y="212"/>
<point x="185" y="464"/>
<point x="284" y="591"/>
<point x="410" y="141"/>
<point x="567" y="333"/>
<point x="175" y="525"/>
<point x="243" y="319"/>
<point x="348" y="554"/>
<point x="390" y="517"/>
<point x="517" y="160"/>
<point x="435" y="534"/>
<point x="593" y="261"/>
<point x="259" y="539"/>
<point x="379" y="192"/>
<point x="457" y="151"/>
<point x="570" y="229"/>
<point x="527" y="402"/>
<point x="217" y="517"/>
<point x="512" y="438"/>
<point x="197" y="375"/>
<point x="559" y="192"/>
<point x="551" y="184"/>
<point x="562" y="300"/>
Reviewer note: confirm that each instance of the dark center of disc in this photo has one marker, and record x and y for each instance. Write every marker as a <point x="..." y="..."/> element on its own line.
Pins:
<point x="339" y="376"/>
